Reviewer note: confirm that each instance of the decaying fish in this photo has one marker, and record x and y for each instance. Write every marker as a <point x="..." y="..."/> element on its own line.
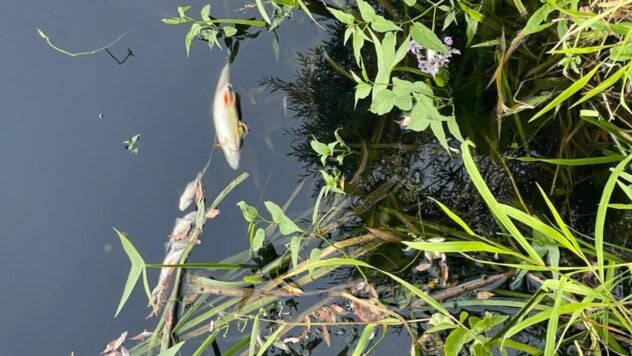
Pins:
<point x="229" y="129"/>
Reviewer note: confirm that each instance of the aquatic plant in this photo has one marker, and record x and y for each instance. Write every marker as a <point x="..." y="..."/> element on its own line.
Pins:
<point x="559" y="87"/>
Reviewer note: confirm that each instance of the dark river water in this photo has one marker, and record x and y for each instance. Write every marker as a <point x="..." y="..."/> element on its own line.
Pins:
<point x="66" y="178"/>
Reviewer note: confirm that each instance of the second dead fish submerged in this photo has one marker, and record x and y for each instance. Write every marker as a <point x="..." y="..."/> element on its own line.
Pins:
<point x="229" y="129"/>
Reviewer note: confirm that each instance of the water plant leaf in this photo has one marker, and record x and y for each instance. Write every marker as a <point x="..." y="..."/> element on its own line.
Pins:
<point x="263" y="12"/>
<point x="365" y="338"/>
<point x="136" y="269"/>
<point x="605" y="84"/>
<point x="173" y="350"/>
<point x="295" y="244"/>
<point x="254" y="335"/>
<point x="342" y="16"/>
<point x="257" y="241"/>
<point x="457" y="246"/>
<point x="600" y="220"/>
<point x="366" y="11"/>
<point x="271" y="339"/>
<point x="567" y="93"/>
<point x="205" y="12"/>
<point x="380" y="24"/>
<point x="574" y="161"/>
<point x="229" y="31"/>
<point x="250" y="213"/>
<point x="188" y="39"/>
<point x="426" y="38"/>
<point x="383" y="102"/>
<point x="286" y="225"/>
<point x="456" y="340"/>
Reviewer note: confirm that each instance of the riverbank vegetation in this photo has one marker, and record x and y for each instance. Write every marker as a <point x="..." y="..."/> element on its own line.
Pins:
<point x="473" y="165"/>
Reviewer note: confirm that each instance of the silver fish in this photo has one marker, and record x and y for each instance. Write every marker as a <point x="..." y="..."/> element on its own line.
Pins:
<point x="229" y="129"/>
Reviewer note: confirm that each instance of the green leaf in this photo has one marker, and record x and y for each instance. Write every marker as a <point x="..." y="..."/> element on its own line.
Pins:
<point x="257" y="242"/>
<point x="295" y="245"/>
<point x="173" y="350"/>
<point x="229" y="31"/>
<point x="458" y="246"/>
<point x="567" y="93"/>
<point x="137" y="267"/>
<point x="426" y="38"/>
<point x="456" y="340"/>
<point x="194" y="31"/>
<point x="358" y="43"/>
<point x="286" y="225"/>
<point x="362" y="91"/>
<point x="263" y="12"/>
<point x="366" y="11"/>
<point x="363" y="341"/>
<point x="535" y="21"/>
<point x="410" y="2"/>
<point x="182" y="11"/>
<point x="383" y="102"/>
<point x="254" y="336"/>
<point x="342" y="16"/>
<point x="206" y="12"/>
<point x="380" y="24"/>
<point x="322" y="149"/>
<point x="250" y="213"/>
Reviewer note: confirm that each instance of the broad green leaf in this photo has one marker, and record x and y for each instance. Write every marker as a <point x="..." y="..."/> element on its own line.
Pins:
<point x="358" y="43"/>
<point x="426" y="38"/>
<point x="366" y="11"/>
<point x="206" y="12"/>
<point x="342" y="16"/>
<point x="365" y="338"/>
<point x="567" y="93"/>
<point x="286" y="225"/>
<point x="182" y="10"/>
<point x="418" y="87"/>
<point x="456" y="340"/>
<point x="410" y="2"/>
<point x="250" y="213"/>
<point x="194" y="31"/>
<point x="229" y="31"/>
<point x="539" y="16"/>
<point x="403" y="101"/>
<point x="362" y="91"/>
<point x="437" y="130"/>
<point x="380" y="24"/>
<point x="137" y="267"/>
<point x="257" y="241"/>
<point x="383" y="102"/>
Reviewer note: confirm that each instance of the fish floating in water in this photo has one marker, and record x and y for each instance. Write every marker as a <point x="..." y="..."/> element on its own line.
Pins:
<point x="229" y="128"/>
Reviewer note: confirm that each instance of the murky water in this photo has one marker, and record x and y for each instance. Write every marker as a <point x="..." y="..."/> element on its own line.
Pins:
<point x="67" y="180"/>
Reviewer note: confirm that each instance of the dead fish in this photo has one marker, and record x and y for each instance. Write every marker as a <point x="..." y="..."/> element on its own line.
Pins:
<point x="229" y="128"/>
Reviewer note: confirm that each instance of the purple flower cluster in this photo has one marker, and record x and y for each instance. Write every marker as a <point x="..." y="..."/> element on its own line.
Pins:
<point x="430" y="61"/>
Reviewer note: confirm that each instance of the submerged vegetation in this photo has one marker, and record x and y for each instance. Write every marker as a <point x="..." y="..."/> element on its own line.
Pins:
<point x="515" y="240"/>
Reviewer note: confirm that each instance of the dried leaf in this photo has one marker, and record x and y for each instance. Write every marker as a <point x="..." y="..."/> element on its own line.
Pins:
<point x="445" y="273"/>
<point x="189" y="194"/>
<point x="142" y="336"/>
<point x="366" y="312"/>
<point x="291" y="340"/>
<point x="423" y="266"/>
<point x="211" y="213"/>
<point x="199" y="193"/>
<point x="123" y="351"/>
<point x="384" y="235"/>
<point x="484" y="295"/>
<point x="115" y="344"/>
<point x="325" y="314"/>
<point x="326" y="337"/>
<point x="291" y="290"/>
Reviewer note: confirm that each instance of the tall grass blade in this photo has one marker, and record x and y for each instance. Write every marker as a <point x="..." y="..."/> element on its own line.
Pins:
<point x="493" y="205"/>
<point x="365" y="338"/>
<point x="600" y="221"/>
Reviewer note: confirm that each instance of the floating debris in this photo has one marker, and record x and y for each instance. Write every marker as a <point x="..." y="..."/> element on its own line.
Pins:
<point x="131" y="144"/>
